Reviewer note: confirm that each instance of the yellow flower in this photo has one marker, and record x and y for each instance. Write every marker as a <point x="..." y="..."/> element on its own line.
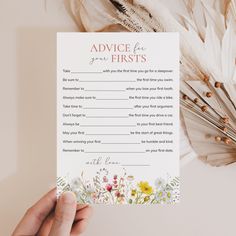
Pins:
<point x="146" y="199"/>
<point x="169" y="194"/>
<point x="145" y="188"/>
<point x="133" y="192"/>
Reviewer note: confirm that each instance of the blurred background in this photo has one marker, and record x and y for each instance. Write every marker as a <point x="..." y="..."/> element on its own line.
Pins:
<point x="28" y="140"/>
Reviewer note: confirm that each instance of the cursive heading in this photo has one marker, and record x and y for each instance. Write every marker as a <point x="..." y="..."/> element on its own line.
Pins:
<point x="118" y="53"/>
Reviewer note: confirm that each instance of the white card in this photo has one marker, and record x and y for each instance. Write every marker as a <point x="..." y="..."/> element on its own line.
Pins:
<point x="118" y="117"/>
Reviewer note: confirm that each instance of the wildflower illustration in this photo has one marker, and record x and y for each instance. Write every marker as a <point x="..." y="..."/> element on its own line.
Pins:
<point x="121" y="189"/>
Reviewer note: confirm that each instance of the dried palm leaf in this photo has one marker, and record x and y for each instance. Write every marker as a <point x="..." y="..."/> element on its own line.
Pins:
<point x="208" y="72"/>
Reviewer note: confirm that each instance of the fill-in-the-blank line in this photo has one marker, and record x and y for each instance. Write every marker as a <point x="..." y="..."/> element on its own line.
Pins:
<point x="112" y="99"/>
<point x="122" y="143"/>
<point x="108" y="108"/>
<point x="114" y="152"/>
<point x="107" y="116"/>
<point x="107" y="125"/>
<point x="104" y="90"/>
<point x="135" y="165"/>
<point x="108" y="81"/>
<point x="108" y="134"/>
<point x="86" y="72"/>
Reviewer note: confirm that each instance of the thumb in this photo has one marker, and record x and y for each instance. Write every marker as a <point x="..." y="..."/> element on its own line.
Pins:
<point x="64" y="215"/>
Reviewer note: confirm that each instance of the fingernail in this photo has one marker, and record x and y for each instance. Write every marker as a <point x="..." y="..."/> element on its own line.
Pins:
<point x="68" y="197"/>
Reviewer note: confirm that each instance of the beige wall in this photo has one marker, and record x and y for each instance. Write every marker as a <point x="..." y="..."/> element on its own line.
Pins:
<point x="27" y="140"/>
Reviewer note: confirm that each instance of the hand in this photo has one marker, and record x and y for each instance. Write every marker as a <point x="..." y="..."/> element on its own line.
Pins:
<point x="48" y="217"/>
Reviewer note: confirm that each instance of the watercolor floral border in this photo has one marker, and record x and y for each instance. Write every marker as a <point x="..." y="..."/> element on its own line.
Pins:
<point x="124" y="189"/>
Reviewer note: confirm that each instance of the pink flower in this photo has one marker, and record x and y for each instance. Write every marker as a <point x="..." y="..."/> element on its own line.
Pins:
<point x="105" y="179"/>
<point x="117" y="194"/>
<point x="109" y="187"/>
<point x="115" y="182"/>
<point x="115" y="177"/>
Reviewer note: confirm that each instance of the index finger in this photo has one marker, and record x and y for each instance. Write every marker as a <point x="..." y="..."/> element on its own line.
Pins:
<point x="35" y="215"/>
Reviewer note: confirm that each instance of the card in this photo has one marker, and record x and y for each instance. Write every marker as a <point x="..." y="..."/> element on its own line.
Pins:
<point x="118" y="117"/>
